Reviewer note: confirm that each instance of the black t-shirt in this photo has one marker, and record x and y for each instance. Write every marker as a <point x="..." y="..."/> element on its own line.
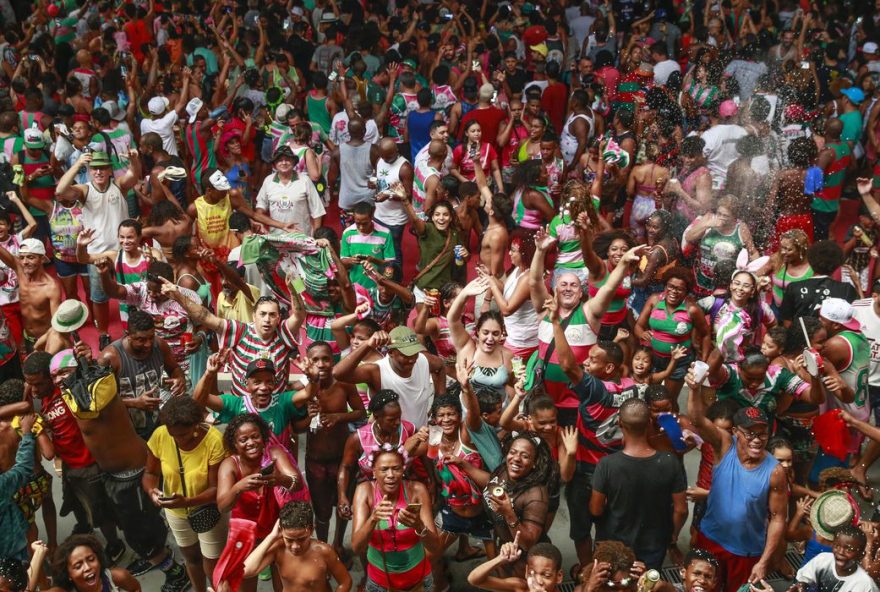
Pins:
<point x="517" y="81"/>
<point x="638" y="511"/>
<point x="804" y="299"/>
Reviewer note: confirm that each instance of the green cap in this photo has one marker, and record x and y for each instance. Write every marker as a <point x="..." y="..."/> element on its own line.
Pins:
<point x="100" y="159"/>
<point x="404" y="340"/>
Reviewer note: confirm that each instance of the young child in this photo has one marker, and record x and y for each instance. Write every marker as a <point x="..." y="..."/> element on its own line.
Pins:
<point x="543" y="569"/>
<point x="838" y="570"/>
<point x="699" y="574"/>
<point x="643" y="364"/>
<point x="361" y="331"/>
<point x="303" y="563"/>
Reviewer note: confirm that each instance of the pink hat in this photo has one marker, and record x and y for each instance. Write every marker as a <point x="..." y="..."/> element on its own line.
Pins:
<point x="727" y="109"/>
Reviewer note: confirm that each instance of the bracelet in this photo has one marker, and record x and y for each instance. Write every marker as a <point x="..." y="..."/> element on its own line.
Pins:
<point x="423" y="532"/>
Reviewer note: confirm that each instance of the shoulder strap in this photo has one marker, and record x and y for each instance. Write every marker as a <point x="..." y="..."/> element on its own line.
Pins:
<point x="564" y="324"/>
<point x="180" y="468"/>
<point x="716" y="306"/>
<point x="108" y="143"/>
<point x="436" y="259"/>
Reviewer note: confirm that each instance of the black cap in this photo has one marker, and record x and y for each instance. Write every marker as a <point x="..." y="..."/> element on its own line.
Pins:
<point x="750" y="416"/>
<point x="259" y="365"/>
<point x="284" y="150"/>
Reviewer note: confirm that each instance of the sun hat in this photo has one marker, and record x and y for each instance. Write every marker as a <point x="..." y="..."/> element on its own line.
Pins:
<point x="830" y="511"/>
<point x="173" y="173"/>
<point x="32" y="246"/>
<point x="158" y="105"/>
<point x="70" y="316"/>
<point x="100" y="159"/>
<point x="540" y="48"/>
<point x="838" y="310"/>
<point x="404" y="340"/>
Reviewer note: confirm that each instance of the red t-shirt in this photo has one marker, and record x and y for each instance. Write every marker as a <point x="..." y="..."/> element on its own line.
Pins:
<point x="490" y="120"/>
<point x="553" y="102"/>
<point x="69" y="444"/>
<point x="465" y="163"/>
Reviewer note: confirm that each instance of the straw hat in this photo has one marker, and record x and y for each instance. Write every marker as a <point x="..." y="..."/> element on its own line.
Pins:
<point x="830" y="511"/>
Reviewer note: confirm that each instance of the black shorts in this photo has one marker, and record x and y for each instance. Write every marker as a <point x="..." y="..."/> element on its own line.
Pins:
<point x="136" y="516"/>
<point x="577" y="494"/>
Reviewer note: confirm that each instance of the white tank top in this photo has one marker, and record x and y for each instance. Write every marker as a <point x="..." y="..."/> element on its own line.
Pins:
<point x="103" y="212"/>
<point x="568" y="142"/>
<point x="390" y="211"/>
<point x="522" y="324"/>
<point x="416" y="392"/>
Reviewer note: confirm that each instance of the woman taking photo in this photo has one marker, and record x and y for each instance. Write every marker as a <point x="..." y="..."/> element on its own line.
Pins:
<point x="510" y="137"/>
<point x="80" y="565"/>
<point x="491" y="361"/>
<point x="184" y="446"/>
<point x="664" y="254"/>
<point x="472" y="148"/>
<point x="255" y="480"/>
<point x="717" y="235"/>
<point x="513" y="297"/>
<point x="671" y="319"/>
<point x="393" y="524"/>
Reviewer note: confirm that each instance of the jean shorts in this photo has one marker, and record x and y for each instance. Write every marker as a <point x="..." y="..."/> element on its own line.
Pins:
<point x="67" y="269"/>
<point x="95" y="287"/>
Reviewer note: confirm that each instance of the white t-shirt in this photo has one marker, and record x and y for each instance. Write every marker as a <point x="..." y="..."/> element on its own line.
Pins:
<point x="820" y="570"/>
<point x="104" y="212"/>
<point x="864" y="312"/>
<point x="339" y="130"/>
<point x="164" y="126"/>
<point x="720" y="150"/>
<point x="663" y="69"/>
<point x="297" y="201"/>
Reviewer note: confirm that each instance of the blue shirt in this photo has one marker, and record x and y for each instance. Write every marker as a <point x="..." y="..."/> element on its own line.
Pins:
<point x="13" y="536"/>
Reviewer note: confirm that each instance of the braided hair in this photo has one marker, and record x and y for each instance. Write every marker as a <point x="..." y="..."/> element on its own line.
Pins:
<point x="381" y="400"/>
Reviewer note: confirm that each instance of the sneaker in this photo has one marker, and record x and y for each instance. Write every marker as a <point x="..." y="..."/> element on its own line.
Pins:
<point x="115" y="551"/>
<point x="103" y="341"/>
<point x="139" y="567"/>
<point x="176" y="579"/>
<point x="266" y="574"/>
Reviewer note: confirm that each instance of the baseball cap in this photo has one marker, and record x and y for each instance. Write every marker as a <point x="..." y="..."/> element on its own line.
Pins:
<point x="193" y="107"/>
<point x="297" y="10"/>
<point x="62" y="360"/>
<point x="727" y="108"/>
<point x="259" y="365"/>
<point x="404" y="340"/>
<point x="32" y="246"/>
<point x="853" y="94"/>
<point x="486" y="92"/>
<point x="219" y="181"/>
<point x="748" y="417"/>
<point x="870" y="47"/>
<point x="33" y="138"/>
<point x="540" y="48"/>
<point x="158" y="105"/>
<point x="838" y="310"/>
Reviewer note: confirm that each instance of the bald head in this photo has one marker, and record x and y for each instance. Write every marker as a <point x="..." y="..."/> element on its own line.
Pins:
<point x="833" y="129"/>
<point x="635" y="415"/>
<point x="387" y="149"/>
<point x="437" y="150"/>
<point x="357" y="129"/>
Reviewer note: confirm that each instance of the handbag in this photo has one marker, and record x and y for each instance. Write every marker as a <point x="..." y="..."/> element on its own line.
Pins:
<point x="203" y="518"/>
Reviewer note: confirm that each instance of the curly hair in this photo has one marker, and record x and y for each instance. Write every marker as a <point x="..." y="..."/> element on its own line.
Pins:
<point x="448" y="399"/>
<point x="680" y="273"/>
<point x="296" y="514"/>
<point x="543" y="470"/>
<point x="452" y="215"/>
<point x="181" y="411"/>
<point x="37" y="363"/>
<point x="64" y="550"/>
<point x="233" y="426"/>
<point x="615" y="553"/>
<point x="603" y="241"/>
<point x="15" y="573"/>
<point x="11" y="391"/>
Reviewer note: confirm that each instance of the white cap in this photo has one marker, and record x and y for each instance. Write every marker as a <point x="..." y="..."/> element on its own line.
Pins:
<point x="870" y="47"/>
<point x="282" y="111"/>
<point x="297" y="10"/>
<point x="193" y="107"/>
<point x="838" y="310"/>
<point x="158" y="105"/>
<point x="219" y="181"/>
<point x="32" y="246"/>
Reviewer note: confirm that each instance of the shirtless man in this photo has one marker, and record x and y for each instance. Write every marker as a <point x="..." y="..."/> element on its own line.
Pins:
<point x="122" y="455"/>
<point x="494" y="244"/>
<point x="303" y="563"/>
<point x="39" y="292"/>
<point x="325" y="445"/>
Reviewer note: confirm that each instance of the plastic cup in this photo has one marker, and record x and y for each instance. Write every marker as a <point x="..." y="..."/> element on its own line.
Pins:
<point x="435" y="436"/>
<point x="701" y="369"/>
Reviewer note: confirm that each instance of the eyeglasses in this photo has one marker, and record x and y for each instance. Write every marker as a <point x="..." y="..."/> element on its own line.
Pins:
<point x="750" y="435"/>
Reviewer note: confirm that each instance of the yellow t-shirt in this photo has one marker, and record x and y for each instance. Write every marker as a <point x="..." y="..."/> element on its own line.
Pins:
<point x="239" y="308"/>
<point x="209" y="452"/>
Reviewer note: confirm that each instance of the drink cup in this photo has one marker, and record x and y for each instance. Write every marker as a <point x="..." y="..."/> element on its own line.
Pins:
<point x="813" y="362"/>
<point x="435" y="435"/>
<point x="701" y="369"/>
<point x="185" y="339"/>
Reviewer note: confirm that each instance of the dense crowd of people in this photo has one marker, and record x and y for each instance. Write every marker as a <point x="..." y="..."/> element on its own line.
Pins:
<point x="396" y="277"/>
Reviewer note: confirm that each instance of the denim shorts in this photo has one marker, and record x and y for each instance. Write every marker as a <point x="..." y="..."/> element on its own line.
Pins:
<point x="479" y="526"/>
<point x="66" y="269"/>
<point x="95" y="287"/>
<point x="681" y="367"/>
